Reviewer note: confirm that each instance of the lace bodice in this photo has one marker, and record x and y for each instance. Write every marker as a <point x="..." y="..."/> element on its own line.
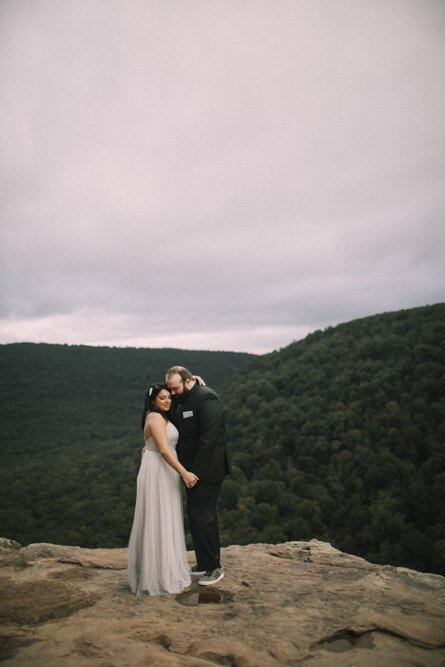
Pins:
<point x="172" y="437"/>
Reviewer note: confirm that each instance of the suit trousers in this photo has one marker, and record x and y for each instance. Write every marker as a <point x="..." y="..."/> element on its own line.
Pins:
<point x="203" y="522"/>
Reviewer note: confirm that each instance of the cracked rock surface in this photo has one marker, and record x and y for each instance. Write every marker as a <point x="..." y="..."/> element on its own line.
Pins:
<point x="287" y="604"/>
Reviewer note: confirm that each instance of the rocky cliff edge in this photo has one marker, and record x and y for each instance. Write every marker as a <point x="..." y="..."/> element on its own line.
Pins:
<point x="286" y="604"/>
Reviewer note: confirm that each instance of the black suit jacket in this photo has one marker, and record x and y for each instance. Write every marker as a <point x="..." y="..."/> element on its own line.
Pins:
<point x="202" y="446"/>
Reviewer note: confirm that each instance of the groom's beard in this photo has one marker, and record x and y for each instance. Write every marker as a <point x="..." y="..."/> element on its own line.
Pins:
<point x="180" y="398"/>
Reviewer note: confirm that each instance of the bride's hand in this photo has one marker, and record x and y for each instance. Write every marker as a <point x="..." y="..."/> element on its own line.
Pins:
<point x="189" y="479"/>
<point x="199" y="380"/>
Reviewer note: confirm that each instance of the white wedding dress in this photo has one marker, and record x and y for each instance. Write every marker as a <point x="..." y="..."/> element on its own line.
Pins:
<point x="157" y="561"/>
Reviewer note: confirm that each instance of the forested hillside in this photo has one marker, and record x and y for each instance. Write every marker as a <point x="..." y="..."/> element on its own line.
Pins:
<point x="341" y="436"/>
<point x="70" y="436"/>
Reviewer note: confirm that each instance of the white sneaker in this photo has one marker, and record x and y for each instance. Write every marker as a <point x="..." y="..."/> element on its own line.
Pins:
<point x="211" y="577"/>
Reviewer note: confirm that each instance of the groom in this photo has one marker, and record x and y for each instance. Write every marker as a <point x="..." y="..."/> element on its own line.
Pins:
<point x="202" y="449"/>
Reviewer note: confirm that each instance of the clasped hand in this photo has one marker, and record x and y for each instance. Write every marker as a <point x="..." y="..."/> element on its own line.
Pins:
<point x="190" y="479"/>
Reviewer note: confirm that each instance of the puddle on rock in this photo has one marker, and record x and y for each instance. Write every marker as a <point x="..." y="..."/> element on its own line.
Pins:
<point x="203" y="595"/>
<point x="347" y="641"/>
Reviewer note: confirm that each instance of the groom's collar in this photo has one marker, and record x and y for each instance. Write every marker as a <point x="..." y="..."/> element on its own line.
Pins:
<point x="194" y="389"/>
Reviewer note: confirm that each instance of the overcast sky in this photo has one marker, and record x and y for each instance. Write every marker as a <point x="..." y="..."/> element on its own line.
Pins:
<point x="218" y="174"/>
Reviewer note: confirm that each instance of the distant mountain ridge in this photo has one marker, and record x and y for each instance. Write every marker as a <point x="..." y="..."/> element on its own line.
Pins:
<point x="339" y="437"/>
<point x="70" y="436"/>
<point x="102" y="387"/>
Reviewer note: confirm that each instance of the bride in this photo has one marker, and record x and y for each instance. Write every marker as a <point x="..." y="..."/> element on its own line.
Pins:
<point x="157" y="561"/>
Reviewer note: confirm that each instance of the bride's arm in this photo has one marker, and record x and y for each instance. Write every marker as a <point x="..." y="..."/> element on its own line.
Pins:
<point x="158" y="428"/>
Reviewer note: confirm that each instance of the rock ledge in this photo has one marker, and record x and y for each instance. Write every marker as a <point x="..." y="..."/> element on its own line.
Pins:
<point x="281" y="604"/>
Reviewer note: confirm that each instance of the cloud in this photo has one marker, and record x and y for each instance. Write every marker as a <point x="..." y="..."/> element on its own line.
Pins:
<point x="252" y="171"/>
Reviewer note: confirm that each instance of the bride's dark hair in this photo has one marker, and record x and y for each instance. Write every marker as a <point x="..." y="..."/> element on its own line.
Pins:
<point x="149" y="401"/>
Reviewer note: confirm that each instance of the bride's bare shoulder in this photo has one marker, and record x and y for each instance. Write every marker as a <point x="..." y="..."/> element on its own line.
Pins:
<point x="155" y="419"/>
<point x="154" y="416"/>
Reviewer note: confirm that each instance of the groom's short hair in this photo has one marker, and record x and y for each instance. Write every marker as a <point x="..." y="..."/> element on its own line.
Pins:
<point x="184" y="373"/>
